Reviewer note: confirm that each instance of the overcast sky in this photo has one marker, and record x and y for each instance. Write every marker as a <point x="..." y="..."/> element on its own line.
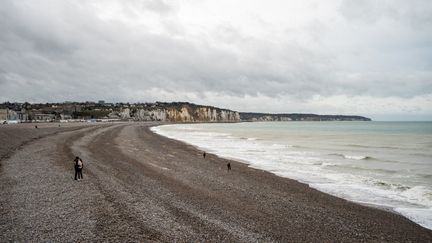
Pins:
<point x="364" y="57"/>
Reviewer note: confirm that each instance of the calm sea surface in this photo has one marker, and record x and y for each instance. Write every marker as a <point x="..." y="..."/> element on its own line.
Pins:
<point x="381" y="163"/>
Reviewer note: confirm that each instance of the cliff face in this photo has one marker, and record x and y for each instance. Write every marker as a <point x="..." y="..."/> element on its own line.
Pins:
<point x="247" y="116"/>
<point x="183" y="113"/>
<point x="159" y="111"/>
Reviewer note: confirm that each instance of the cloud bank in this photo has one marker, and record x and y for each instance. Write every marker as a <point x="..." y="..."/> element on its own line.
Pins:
<point x="342" y="56"/>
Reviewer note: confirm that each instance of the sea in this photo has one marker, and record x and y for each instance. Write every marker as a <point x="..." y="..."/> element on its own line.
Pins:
<point x="382" y="164"/>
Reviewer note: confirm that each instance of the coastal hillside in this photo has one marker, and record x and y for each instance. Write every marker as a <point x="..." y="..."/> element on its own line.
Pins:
<point x="101" y="111"/>
<point x="158" y="111"/>
<point x="250" y="116"/>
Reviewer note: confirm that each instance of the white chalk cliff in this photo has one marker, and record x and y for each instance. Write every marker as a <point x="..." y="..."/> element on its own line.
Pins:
<point x="181" y="113"/>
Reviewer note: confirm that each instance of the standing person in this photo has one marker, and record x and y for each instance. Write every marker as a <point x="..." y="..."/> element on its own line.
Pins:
<point x="78" y="164"/>
<point x="229" y="166"/>
<point x="204" y="155"/>
<point x="80" y="168"/>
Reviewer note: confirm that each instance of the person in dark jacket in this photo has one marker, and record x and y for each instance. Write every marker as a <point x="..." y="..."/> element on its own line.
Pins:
<point x="78" y="164"/>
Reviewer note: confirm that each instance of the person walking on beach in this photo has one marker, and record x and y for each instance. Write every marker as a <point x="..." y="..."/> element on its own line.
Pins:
<point x="78" y="168"/>
<point x="204" y="155"/>
<point x="229" y="166"/>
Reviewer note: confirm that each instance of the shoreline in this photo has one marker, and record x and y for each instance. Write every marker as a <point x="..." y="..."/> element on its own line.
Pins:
<point x="384" y="208"/>
<point x="141" y="186"/>
<point x="387" y="208"/>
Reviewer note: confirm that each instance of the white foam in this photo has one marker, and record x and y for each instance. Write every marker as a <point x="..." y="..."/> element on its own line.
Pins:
<point x="419" y="195"/>
<point x="327" y="164"/>
<point x="355" y="157"/>
<point x="422" y="216"/>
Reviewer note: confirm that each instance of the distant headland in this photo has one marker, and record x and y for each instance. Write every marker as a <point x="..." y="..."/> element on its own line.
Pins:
<point x="159" y="111"/>
<point x="248" y="116"/>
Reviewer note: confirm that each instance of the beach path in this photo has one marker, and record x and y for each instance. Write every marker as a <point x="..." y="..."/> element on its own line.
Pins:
<point x="139" y="186"/>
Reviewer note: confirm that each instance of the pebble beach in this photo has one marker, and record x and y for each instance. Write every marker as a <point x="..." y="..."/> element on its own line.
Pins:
<point x="141" y="187"/>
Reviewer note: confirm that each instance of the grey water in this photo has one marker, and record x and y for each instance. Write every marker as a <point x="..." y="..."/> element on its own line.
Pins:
<point x="380" y="163"/>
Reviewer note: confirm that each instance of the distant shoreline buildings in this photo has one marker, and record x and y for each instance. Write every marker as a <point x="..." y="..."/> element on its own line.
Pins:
<point x="102" y="111"/>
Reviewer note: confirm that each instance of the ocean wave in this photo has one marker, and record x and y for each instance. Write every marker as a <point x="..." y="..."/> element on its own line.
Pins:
<point x="357" y="168"/>
<point x="369" y="146"/>
<point x="392" y="186"/>
<point x="248" y="139"/>
<point x="420" y="154"/>
<point x="324" y="164"/>
<point x="419" y="194"/>
<point x="255" y="150"/>
<point x="353" y="157"/>
<point x="300" y="147"/>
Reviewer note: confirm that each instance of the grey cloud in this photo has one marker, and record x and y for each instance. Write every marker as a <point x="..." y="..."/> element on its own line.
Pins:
<point x="160" y="5"/>
<point x="72" y="54"/>
<point x="152" y="60"/>
<point x="417" y="13"/>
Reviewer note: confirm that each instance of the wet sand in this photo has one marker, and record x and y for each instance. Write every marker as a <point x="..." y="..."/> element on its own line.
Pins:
<point x="139" y="186"/>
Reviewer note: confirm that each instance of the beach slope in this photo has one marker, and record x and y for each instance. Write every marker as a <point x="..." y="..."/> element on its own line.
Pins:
<point x="139" y="186"/>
